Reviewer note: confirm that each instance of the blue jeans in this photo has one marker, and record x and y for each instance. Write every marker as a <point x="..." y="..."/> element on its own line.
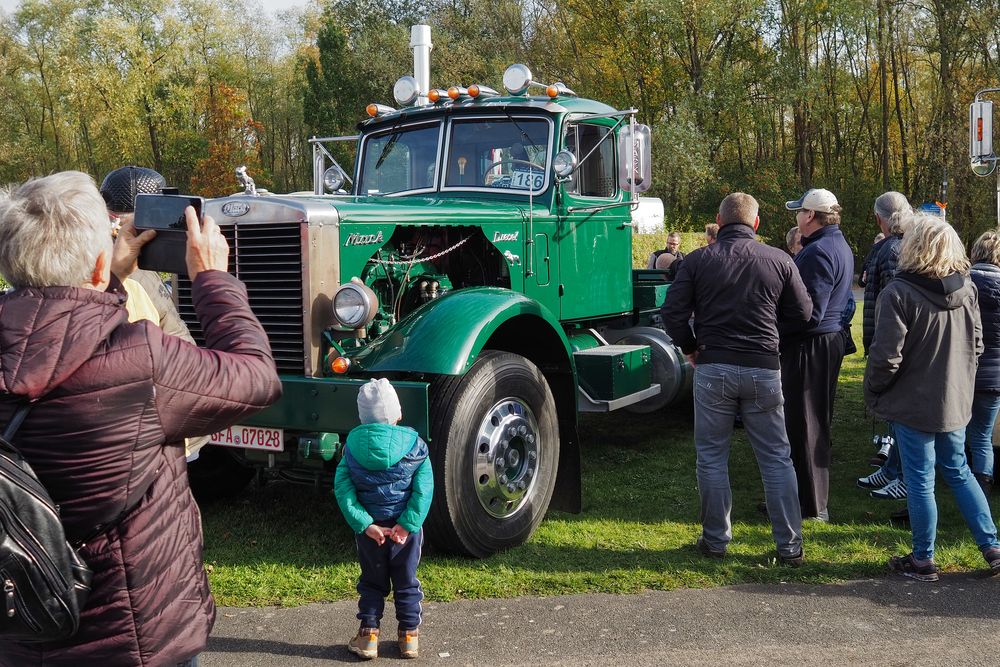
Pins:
<point x="979" y="433"/>
<point x="721" y="391"/>
<point x="920" y="451"/>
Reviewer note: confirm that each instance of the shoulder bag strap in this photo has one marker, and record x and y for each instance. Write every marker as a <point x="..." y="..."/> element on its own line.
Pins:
<point x="15" y="423"/>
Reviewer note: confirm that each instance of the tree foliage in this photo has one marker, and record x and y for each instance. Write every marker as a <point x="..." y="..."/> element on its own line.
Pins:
<point x="766" y="96"/>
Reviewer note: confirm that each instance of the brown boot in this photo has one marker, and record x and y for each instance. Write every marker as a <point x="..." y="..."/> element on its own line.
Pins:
<point x="409" y="644"/>
<point x="365" y="643"/>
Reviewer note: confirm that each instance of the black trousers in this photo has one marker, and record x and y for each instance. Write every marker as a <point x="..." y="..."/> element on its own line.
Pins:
<point x="809" y="371"/>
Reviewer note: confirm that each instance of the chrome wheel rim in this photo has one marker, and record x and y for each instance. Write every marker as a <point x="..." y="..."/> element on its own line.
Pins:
<point x="507" y="451"/>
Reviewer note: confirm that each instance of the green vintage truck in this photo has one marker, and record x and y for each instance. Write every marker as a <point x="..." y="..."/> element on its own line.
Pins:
<point x="479" y="255"/>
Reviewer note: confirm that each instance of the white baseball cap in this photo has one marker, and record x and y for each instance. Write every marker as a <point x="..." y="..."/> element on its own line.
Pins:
<point x="816" y="199"/>
<point x="378" y="403"/>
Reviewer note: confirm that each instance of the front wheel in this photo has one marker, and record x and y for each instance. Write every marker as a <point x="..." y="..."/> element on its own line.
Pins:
<point x="495" y="450"/>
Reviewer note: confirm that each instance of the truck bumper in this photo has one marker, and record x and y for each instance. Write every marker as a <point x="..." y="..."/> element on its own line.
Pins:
<point x="330" y="405"/>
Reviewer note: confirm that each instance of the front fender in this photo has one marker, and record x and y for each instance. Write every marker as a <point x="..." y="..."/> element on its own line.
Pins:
<point x="445" y="336"/>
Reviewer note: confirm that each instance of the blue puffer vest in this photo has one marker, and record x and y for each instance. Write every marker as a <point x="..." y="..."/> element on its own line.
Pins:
<point x="987" y="280"/>
<point x="384" y="493"/>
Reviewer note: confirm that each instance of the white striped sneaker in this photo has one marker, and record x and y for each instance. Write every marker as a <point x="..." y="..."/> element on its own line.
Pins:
<point x="876" y="480"/>
<point x="894" y="490"/>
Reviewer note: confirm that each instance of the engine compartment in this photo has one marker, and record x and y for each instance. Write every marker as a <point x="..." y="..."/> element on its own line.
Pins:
<point x="420" y="264"/>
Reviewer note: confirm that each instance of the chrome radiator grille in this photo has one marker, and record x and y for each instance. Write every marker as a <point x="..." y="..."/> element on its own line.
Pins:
<point x="268" y="259"/>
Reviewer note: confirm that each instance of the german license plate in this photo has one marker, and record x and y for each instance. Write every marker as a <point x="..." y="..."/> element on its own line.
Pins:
<point x="251" y="437"/>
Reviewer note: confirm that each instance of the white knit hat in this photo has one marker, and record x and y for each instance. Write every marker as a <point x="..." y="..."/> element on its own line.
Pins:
<point x="378" y="403"/>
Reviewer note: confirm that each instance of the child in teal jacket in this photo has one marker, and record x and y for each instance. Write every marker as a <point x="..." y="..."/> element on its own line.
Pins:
<point x="384" y="486"/>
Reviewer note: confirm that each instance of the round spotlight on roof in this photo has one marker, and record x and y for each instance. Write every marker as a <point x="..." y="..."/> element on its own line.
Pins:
<point x="406" y="91"/>
<point x="516" y="79"/>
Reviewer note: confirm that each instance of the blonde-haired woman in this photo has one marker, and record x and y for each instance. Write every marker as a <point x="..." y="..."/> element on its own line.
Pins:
<point x="985" y="273"/>
<point x="920" y="378"/>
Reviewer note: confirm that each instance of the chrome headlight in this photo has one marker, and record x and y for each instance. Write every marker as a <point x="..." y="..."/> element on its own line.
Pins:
<point x="355" y="305"/>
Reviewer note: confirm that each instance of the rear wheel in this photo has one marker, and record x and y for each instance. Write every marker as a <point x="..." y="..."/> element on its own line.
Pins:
<point x="495" y="450"/>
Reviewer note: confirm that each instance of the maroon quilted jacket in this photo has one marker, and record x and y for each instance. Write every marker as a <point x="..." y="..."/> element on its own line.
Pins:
<point x="109" y="396"/>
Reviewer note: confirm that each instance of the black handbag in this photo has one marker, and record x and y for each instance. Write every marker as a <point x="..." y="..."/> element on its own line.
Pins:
<point x="44" y="582"/>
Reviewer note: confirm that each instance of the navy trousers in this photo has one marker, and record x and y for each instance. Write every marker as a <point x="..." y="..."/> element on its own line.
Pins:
<point x="389" y="567"/>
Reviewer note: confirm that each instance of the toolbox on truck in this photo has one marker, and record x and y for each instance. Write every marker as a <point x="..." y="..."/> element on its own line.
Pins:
<point x="613" y="372"/>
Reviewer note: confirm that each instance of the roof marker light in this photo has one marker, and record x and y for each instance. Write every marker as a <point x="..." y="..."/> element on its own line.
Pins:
<point x="437" y="95"/>
<point x="475" y="91"/>
<point x="374" y="110"/>
<point x="457" y="91"/>
<point x="558" y="88"/>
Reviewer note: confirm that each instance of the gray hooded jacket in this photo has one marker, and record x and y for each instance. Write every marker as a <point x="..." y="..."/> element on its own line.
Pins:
<point x="922" y="362"/>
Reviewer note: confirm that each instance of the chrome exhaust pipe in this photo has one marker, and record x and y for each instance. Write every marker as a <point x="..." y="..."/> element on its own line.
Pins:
<point x="420" y="42"/>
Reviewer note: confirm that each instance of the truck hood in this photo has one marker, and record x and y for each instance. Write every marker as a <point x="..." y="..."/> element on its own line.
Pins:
<point x="431" y="210"/>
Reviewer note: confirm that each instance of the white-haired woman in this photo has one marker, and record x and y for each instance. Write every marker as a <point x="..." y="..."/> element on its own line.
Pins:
<point x="110" y="404"/>
<point x="985" y="273"/>
<point x="920" y="378"/>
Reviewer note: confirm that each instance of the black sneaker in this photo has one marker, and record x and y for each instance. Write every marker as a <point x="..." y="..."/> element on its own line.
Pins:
<point x="706" y="550"/>
<point x="793" y="561"/>
<point x="908" y="567"/>
<point x="992" y="557"/>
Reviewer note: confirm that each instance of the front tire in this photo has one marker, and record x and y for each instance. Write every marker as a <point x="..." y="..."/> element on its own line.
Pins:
<point x="495" y="451"/>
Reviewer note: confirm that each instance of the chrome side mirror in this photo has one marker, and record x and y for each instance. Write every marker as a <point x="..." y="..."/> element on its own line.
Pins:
<point x="333" y="179"/>
<point x="981" y="156"/>
<point x="635" y="170"/>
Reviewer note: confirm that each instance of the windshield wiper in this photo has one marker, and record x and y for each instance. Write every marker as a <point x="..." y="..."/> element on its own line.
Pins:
<point x="524" y="135"/>
<point x="389" y="144"/>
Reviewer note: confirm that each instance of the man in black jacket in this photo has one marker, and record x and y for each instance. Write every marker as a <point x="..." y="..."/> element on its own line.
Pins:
<point x="812" y="352"/>
<point x="737" y="289"/>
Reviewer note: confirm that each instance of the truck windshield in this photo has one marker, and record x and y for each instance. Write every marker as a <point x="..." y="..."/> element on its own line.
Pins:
<point x="400" y="160"/>
<point x="498" y="153"/>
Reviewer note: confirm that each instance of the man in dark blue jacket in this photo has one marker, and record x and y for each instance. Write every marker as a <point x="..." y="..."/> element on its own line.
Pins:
<point x="811" y="354"/>
<point x="738" y="289"/>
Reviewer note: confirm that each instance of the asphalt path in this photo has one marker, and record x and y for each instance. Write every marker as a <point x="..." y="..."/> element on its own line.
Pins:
<point x="884" y="622"/>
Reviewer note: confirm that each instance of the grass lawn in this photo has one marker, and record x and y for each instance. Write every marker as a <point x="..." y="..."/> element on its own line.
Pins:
<point x="289" y="545"/>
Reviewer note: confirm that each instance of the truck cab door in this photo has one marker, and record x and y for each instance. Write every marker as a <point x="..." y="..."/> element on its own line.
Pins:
<point x="595" y="244"/>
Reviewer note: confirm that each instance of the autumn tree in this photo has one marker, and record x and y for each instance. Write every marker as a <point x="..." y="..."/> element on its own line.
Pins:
<point x="232" y="142"/>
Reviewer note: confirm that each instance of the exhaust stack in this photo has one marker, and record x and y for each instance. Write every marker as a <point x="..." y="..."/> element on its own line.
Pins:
<point x="420" y="42"/>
